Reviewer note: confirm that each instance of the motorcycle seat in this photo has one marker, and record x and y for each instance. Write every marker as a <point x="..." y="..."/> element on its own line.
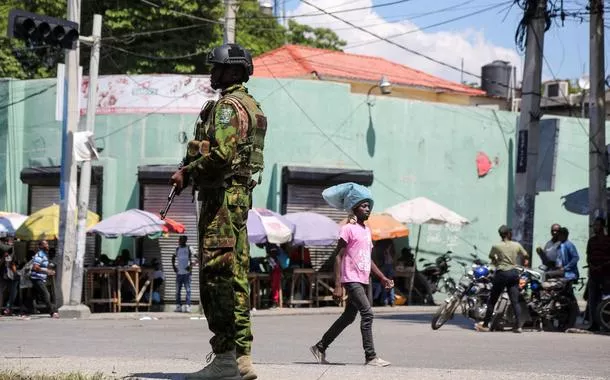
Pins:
<point x="553" y="285"/>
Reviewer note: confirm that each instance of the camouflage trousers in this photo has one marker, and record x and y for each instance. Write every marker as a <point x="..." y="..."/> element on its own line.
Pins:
<point x="225" y="257"/>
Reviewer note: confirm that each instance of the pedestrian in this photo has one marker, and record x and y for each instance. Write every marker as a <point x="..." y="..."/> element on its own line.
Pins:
<point x="353" y="266"/>
<point x="598" y="260"/>
<point x="567" y="258"/>
<point x="548" y="254"/>
<point x="232" y="131"/>
<point x="39" y="274"/>
<point x="504" y="257"/>
<point x="182" y="261"/>
<point x="9" y="278"/>
<point x="275" y="256"/>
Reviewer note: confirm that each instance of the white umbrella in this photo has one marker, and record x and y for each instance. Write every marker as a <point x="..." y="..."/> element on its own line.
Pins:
<point x="10" y="222"/>
<point x="424" y="211"/>
<point x="420" y="211"/>
<point x="132" y="223"/>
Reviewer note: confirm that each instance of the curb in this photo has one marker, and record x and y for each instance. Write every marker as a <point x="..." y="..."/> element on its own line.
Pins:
<point x="258" y="313"/>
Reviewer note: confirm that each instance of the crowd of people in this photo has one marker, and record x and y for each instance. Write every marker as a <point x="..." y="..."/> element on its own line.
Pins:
<point x="560" y="259"/>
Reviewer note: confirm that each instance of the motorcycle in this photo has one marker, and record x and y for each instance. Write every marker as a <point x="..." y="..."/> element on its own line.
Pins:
<point x="471" y="293"/>
<point x="548" y="303"/>
<point x="437" y="274"/>
<point x="603" y="312"/>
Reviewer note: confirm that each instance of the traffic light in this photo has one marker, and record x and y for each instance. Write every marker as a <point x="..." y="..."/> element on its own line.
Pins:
<point x="38" y="30"/>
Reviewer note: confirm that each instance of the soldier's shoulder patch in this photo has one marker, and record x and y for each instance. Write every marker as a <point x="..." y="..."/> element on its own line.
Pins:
<point x="225" y="113"/>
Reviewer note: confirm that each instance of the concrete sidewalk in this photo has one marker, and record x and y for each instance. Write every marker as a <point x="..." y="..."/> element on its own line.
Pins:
<point x="143" y="369"/>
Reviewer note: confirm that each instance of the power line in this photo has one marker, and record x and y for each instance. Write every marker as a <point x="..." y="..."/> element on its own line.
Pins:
<point x="5" y="106"/>
<point x="150" y="3"/>
<point x="151" y="32"/>
<point x="563" y="94"/>
<point x="409" y="16"/>
<point x="145" y="116"/>
<point x="157" y="58"/>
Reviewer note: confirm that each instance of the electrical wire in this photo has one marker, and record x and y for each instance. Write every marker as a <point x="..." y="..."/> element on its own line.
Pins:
<point x="157" y="58"/>
<point x="30" y="96"/>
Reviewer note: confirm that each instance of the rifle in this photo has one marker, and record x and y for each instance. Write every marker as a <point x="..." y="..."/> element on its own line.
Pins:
<point x="170" y="199"/>
<point x="194" y="151"/>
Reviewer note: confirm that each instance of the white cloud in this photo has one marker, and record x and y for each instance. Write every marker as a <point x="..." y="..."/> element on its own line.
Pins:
<point x="449" y="47"/>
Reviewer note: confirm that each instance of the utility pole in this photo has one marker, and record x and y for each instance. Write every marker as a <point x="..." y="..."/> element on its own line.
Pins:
<point x="597" y="114"/>
<point x="66" y="249"/>
<point x="230" y="11"/>
<point x="85" y="172"/>
<point x="528" y="132"/>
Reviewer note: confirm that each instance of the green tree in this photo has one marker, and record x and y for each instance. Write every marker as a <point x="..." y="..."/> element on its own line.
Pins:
<point x="322" y="38"/>
<point x="153" y="36"/>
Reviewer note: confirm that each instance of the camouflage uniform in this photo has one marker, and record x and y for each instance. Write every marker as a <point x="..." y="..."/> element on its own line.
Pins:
<point x="222" y="176"/>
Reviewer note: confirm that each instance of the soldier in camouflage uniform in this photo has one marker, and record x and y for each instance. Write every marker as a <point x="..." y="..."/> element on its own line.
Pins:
<point x="230" y="137"/>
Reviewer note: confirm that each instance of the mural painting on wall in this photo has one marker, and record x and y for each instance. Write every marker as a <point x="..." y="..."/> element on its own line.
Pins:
<point x="148" y="94"/>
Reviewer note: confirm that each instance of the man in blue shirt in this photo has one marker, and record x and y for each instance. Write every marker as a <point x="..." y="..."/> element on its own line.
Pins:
<point x="39" y="275"/>
<point x="567" y="258"/>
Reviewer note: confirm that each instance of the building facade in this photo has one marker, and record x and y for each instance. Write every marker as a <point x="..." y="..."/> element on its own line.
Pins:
<point x="319" y="133"/>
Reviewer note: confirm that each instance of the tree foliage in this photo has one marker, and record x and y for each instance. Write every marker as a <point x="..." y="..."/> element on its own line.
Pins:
<point x="322" y="38"/>
<point x="154" y="36"/>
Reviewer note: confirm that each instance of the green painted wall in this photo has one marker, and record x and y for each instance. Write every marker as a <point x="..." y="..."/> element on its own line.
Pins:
<point x="414" y="148"/>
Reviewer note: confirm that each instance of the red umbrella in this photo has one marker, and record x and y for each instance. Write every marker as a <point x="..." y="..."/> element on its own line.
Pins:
<point x="171" y="226"/>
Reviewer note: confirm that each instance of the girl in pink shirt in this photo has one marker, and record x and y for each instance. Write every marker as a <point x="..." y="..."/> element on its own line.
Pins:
<point x="353" y="267"/>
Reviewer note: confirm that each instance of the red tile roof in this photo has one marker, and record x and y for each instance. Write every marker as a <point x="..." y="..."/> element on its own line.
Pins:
<point x="290" y="61"/>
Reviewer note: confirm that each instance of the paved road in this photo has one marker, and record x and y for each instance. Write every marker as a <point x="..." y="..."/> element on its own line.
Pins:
<point x="168" y="348"/>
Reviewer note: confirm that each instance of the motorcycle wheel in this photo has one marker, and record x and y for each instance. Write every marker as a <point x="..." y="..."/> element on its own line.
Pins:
<point x="444" y="313"/>
<point x="603" y="313"/>
<point x="564" y="321"/>
<point x="503" y="316"/>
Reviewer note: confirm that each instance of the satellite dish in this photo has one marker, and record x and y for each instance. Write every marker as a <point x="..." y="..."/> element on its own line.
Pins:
<point x="584" y="83"/>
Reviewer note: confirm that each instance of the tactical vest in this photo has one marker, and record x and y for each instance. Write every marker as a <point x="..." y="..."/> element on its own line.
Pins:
<point x="251" y="134"/>
<point x="249" y="159"/>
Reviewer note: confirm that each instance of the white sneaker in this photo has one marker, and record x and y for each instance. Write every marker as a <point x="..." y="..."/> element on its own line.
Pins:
<point x="178" y="309"/>
<point x="378" y="362"/>
<point x="187" y="309"/>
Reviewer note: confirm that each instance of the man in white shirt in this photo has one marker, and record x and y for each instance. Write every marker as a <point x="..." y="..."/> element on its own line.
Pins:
<point x="182" y="263"/>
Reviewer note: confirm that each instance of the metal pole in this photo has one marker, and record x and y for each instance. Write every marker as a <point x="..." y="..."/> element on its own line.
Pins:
<point x="66" y="249"/>
<point x="284" y="19"/>
<point x="528" y="132"/>
<point x="597" y="113"/>
<point x="409" y="302"/>
<point x="229" y="33"/>
<point x="85" y="173"/>
<point x="582" y="104"/>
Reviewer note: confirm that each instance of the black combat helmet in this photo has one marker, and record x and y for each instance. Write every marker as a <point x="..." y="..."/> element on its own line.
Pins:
<point x="232" y="54"/>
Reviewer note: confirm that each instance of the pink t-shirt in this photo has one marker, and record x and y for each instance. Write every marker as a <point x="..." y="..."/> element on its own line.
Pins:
<point x="356" y="263"/>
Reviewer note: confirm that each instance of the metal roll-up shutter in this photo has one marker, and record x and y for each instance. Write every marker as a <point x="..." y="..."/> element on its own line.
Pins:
<point x="183" y="210"/>
<point x="45" y="196"/>
<point x="308" y="198"/>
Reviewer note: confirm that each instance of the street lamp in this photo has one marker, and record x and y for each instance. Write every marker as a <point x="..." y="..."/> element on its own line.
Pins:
<point x="266" y="7"/>
<point x="384" y="85"/>
<point x="584" y="84"/>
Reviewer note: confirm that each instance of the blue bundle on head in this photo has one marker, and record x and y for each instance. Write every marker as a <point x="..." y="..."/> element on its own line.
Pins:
<point x="346" y="196"/>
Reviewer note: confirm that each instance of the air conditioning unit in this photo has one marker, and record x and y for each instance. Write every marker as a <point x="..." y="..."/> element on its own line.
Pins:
<point x="556" y="89"/>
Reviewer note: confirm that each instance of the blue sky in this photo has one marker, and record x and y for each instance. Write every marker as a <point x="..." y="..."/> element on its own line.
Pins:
<point x="478" y="39"/>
